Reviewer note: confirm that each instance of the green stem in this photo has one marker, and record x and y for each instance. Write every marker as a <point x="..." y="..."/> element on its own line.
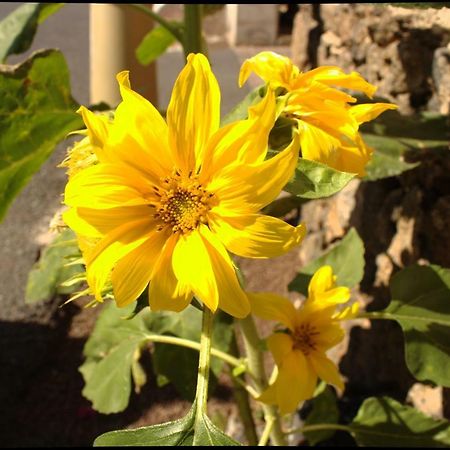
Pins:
<point x="157" y="18"/>
<point x="321" y="427"/>
<point x="241" y="397"/>
<point x="374" y="315"/>
<point x="192" y="29"/>
<point x="266" y="434"/>
<point x="195" y="346"/>
<point x="201" y="395"/>
<point x="252" y="344"/>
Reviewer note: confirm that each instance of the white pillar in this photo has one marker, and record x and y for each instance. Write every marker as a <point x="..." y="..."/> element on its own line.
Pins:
<point x="252" y="24"/>
<point x="115" y="31"/>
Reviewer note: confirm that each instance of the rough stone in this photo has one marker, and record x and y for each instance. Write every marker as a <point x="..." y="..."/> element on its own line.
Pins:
<point x="402" y="51"/>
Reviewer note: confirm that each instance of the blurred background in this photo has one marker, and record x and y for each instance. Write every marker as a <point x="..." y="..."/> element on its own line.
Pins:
<point x="402" y="219"/>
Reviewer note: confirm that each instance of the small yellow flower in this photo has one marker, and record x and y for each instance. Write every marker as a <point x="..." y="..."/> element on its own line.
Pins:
<point x="328" y="125"/>
<point x="300" y="351"/>
<point x="166" y="201"/>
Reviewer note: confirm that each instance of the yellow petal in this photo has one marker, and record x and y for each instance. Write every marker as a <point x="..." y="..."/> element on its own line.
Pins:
<point x="280" y="345"/>
<point x="232" y="298"/>
<point x="192" y="266"/>
<point x="334" y="76"/>
<point x="257" y="236"/>
<point x="270" y="306"/>
<point x="253" y="186"/>
<point x="139" y="135"/>
<point x="113" y="247"/>
<point x="369" y="111"/>
<point x="96" y="125"/>
<point x="322" y="280"/>
<point x="193" y="113"/>
<point x="326" y="369"/>
<point x="106" y="186"/>
<point x="166" y="292"/>
<point x="98" y="222"/>
<point x="132" y="273"/>
<point x="295" y="382"/>
<point x="271" y="67"/>
<point x="349" y="312"/>
<point x="244" y="141"/>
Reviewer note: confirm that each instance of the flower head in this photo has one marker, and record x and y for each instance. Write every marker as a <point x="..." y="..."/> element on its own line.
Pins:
<point x="327" y="124"/>
<point x="300" y="350"/>
<point x="167" y="199"/>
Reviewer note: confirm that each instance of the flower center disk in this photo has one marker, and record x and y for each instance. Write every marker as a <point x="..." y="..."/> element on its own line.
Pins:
<point x="304" y="338"/>
<point x="184" y="203"/>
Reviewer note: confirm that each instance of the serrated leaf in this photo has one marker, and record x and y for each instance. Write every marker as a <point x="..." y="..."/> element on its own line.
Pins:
<point x="206" y="433"/>
<point x="50" y="271"/>
<point x="346" y="258"/>
<point x="155" y="43"/>
<point x="421" y="305"/>
<point x="190" y="430"/>
<point x="48" y="9"/>
<point x="324" y="410"/>
<point x="177" y="433"/>
<point x="314" y="180"/>
<point x="384" y="422"/>
<point x="36" y="112"/>
<point x="110" y="353"/>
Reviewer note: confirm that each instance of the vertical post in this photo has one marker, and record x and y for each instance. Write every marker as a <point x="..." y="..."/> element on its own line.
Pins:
<point x="115" y="32"/>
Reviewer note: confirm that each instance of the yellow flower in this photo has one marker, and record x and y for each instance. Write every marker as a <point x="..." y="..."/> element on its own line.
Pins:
<point x="167" y="200"/>
<point x="328" y="125"/>
<point x="300" y="351"/>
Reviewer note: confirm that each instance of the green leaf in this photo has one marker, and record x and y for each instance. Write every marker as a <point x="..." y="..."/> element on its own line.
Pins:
<point x="36" y="112"/>
<point x="315" y="180"/>
<point x="383" y="422"/>
<point x="17" y="30"/>
<point x="283" y="205"/>
<point x="394" y="137"/>
<point x="46" y="275"/>
<point x="177" y="433"/>
<point x="240" y="111"/>
<point x="421" y="305"/>
<point x="111" y="354"/>
<point x="48" y="9"/>
<point x="324" y="410"/>
<point x="346" y="258"/>
<point x="188" y="431"/>
<point x="155" y="43"/>
<point x="387" y="159"/>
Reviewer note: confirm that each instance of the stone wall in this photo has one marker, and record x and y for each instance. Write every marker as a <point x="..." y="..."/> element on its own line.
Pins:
<point x="405" y="52"/>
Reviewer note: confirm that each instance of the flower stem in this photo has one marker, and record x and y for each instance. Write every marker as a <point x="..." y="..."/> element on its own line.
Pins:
<point x="157" y="18"/>
<point x="192" y="29"/>
<point x="252" y="344"/>
<point x="195" y="346"/>
<point x="320" y="427"/>
<point x="241" y="397"/>
<point x="201" y="395"/>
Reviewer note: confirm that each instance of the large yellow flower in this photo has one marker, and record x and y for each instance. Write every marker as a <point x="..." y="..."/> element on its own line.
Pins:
<point x="300" y="351"/>
<point x="166" y="200"/>
<point x="328" y="125"/>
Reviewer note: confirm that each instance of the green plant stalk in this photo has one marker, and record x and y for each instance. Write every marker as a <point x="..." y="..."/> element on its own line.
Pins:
<point x="252" y="344"/>
<point x="195" y="346"/>
<point x="204" y="360"/>
<point x="192" y="29"/>
<point x="157" y="18"/>
<point x="321" y="427"/>
<point x="242" y="401"/>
